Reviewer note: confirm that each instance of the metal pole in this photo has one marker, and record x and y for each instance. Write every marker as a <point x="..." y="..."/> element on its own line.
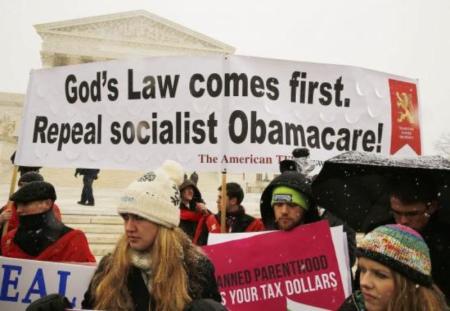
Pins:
<point x="12" y="188"/>
<point x="223" y="208"/>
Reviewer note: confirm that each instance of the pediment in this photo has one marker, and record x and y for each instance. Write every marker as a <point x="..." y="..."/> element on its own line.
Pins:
<point x="136" y="26"/>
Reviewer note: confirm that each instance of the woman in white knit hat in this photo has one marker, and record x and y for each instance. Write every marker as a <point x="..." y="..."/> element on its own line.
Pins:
<point x="154" y="265"/>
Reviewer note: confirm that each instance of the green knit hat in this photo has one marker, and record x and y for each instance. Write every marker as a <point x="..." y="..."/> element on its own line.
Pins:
<point x="283" y="194"/>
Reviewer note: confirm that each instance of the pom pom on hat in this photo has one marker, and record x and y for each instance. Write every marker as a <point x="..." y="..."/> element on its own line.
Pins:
<point x="173" y="170"/>
<point x="155" y="196"/>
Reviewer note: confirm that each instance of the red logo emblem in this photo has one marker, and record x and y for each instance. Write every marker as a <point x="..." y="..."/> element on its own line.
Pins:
<point x="405" y="116"/>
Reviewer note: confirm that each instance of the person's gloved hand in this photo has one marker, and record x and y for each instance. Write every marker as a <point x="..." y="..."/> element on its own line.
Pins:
<point x="52" y="302"/>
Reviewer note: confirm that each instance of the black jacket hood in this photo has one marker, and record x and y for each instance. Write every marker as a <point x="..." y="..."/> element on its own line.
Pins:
<point x="295" y="181"/>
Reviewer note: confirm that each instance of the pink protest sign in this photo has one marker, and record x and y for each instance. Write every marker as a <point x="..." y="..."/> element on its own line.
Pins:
<point x="262" y="272"/>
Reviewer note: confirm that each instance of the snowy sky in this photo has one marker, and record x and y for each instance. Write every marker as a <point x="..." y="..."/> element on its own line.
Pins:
<point x="404" y="37"/>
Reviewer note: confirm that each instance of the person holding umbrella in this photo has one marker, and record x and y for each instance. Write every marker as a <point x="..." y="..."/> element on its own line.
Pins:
<point x="395" y="267"/>
<point x="413" y="202"/>
<point x="368" y="190"/>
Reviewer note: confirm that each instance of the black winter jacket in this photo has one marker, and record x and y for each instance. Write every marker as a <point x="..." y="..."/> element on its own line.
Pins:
<point x="205" y="285"/>
<point x="355" y="302"/>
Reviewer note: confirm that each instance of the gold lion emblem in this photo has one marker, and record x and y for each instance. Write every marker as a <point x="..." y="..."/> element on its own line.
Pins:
<point x="404" y="102"/>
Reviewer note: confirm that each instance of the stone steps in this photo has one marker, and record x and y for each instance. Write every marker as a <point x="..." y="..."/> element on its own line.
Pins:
<point x="92" y="219"/>
<point x="103" y="238"/>
<point x="101" y="231"/>
<point x="98" y="228"/>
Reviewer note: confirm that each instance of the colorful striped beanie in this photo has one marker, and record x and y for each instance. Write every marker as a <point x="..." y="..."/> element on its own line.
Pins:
<point x="400" y="248"/>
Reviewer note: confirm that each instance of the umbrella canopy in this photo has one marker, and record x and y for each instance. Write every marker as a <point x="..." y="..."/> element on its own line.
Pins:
<point x="356" y="186"/>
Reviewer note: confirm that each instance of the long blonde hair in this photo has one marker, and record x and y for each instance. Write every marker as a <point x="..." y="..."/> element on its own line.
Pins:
<point x="409" y="296"/>
<point x="171" y="253"/>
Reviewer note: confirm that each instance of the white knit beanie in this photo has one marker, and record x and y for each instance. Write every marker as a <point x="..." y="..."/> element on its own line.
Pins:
<point x="155" y="196"/>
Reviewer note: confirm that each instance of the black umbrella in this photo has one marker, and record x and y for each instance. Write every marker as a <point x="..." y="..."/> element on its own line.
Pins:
<point x="355" y="185"/>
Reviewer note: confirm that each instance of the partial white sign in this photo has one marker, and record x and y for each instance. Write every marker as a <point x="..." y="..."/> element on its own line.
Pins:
<point x="24" y="281"/>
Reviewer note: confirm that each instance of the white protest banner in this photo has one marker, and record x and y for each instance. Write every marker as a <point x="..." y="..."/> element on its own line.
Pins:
<point x="23" y="281"/>
<point x="210" y="113"/>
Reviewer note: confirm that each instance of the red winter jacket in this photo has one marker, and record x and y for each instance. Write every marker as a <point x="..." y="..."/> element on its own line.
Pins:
<point x="71" y="247"/>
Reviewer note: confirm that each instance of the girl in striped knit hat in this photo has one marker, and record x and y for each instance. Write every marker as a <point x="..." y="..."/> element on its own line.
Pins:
<point x="395" y="273"/>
